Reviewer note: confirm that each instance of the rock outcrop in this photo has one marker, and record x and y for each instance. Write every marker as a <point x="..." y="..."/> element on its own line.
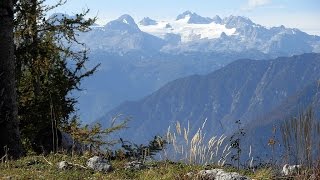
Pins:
<point x="219" y="174"/>
<point x="99" y="164"/>
<point x="135" y="165"/>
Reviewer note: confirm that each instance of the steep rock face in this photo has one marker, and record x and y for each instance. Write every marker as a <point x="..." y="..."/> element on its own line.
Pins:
<point x="245" y="89"/>
<point x="133" y="75"/>
<point x="262" y="128"/>
<point x="123" y="23"/>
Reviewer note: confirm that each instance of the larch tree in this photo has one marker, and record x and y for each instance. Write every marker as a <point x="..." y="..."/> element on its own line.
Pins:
<point x="51" y="63"/>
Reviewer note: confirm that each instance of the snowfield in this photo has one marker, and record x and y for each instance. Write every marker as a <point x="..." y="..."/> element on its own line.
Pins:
<point x="188" y="32"/>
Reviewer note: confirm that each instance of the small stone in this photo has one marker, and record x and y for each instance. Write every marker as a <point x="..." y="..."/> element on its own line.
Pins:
<point x="291" y="169"/>
<point x="135" y="165"/>
<point x="189" y="175"/>
<point x="99" y="164"/>
<point x="64" y="165"/>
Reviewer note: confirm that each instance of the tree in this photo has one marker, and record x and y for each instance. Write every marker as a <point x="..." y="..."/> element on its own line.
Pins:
<point x="48" y="65"/>
<point x="9" y="128"/>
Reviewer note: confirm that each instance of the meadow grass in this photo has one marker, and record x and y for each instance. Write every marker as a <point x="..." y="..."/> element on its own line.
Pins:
<point x="196" y="148"/>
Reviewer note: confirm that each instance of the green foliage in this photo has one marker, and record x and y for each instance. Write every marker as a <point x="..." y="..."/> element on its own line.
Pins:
<point x="94" y="137"/>
<point x="141" y="152"/>
<point x="48" y="68"/>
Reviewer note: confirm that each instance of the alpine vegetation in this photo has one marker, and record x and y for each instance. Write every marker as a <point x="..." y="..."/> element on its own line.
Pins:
<point x="195" y="148"/>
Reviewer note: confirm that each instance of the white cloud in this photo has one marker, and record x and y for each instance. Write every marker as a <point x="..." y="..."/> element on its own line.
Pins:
<point x="252" y="4"/>
<point x="307" y="22"/>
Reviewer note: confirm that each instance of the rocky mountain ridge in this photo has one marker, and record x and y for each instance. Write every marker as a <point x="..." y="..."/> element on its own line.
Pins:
<point x="245" y="89"/>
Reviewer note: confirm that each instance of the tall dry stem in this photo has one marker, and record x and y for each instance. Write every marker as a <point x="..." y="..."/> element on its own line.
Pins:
<point x="197" y="148"/>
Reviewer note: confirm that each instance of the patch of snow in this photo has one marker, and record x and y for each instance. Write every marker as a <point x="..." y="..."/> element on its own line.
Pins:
<point x="125" y="21"/>
<point x="188" y="32"/>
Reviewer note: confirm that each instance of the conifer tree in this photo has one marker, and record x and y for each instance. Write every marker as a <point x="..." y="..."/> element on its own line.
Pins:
<point x="49" y="66"/>
<point x="9" y="131"/>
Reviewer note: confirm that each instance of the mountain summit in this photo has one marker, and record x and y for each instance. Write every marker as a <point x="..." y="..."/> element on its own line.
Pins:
<point x="237" y="21"/>
<point x="147" y="22"/>
<point x="193" y="18"/>
<point x="123" y="23"/>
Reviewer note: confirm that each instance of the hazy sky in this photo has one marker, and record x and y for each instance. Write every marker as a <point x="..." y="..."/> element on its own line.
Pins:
<point x="302" y="14"/>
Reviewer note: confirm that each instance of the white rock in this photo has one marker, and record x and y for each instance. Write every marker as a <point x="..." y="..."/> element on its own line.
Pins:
<point x="219" y="174"/>
<point x="64" y="165"/>
<point x="99" y="164"/>
<point x="291" y="169"/>
<point x="189" y="174"/>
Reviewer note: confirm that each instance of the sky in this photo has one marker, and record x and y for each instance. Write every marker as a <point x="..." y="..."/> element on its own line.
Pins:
<point x="301" y="14"/>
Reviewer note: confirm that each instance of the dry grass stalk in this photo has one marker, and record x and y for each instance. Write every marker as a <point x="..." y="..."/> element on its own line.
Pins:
<point x="198" y="148"/>
<point x="299" y="136"/>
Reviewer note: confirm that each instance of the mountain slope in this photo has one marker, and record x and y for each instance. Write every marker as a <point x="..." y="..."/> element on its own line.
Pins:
<point x="259" y="132"/>
<point x="137" y="59"/>
<point x="245" y="89"/>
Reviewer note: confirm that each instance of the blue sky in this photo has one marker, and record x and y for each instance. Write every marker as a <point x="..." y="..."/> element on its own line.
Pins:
<point x="302" y="14"/>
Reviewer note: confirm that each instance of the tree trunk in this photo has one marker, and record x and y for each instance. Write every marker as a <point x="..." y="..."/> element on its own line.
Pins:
<point x="9" y="126"/>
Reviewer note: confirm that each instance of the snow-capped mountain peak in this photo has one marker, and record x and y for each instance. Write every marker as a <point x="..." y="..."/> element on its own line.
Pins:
<point x="194" y="18"/>
<point x="127" y="19"/>
<point x="237" y="21"/>
<point x="187" y="30"/>
<point x="232" y="33"/>
<point x="123" y="23"/>
<point x="217" y="19"/>
<point x="147" y="22"/>
<point x="184" y="14"/>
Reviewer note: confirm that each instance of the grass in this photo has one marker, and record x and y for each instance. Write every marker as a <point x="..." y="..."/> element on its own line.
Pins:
<point x="196" y="148"/>
<point x="191" y="152"/>
<point x="40" y="167"/>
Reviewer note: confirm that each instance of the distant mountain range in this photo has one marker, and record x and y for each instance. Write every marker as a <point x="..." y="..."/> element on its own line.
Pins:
<point x="190" y="32"/>
<point x="258" y="92"/>
<point x="139" y="58"/>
